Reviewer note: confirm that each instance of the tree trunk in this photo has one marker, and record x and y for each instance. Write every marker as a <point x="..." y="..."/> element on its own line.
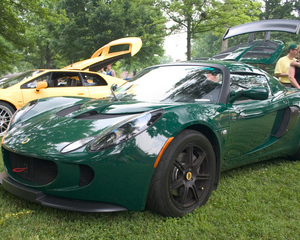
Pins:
<point x="188" y="39"/>
<point x="224" y="45"/>
<point x="48" y="56"/>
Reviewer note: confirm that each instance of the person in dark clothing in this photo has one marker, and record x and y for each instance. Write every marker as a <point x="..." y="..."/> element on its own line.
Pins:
<point x="294" y="72"/>
<point x="110" y="71"/>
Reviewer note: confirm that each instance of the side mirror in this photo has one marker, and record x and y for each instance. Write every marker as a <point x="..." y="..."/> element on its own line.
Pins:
<point x="255" y="93"/>
<point x="41" y="85"/>
<point x="113" y="87"/>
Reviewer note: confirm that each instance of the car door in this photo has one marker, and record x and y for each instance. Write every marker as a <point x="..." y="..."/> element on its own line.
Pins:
<point x="60" y="83"/>
<point x="253" y="124"/>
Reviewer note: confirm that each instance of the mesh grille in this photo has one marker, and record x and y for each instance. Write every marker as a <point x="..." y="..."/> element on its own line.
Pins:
<point x="35" y="170"/>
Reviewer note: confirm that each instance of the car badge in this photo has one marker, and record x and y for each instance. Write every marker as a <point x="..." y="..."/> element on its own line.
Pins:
<point x="189" y="176"/>
<point x="26" y="140"/>
<point x="19" y="170"/>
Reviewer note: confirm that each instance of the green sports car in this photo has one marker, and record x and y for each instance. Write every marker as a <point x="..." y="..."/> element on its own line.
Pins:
<point x="160" y="140"/>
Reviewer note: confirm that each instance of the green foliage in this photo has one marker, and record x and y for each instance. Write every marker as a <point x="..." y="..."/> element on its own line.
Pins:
<point x="189" y="15"/>
<point x="14" y="17"/>
<point x="200" y="16"/>
<point x="53" y="34"/>
<point x="75" y="29"/>
<point x="234" y="12"/>
<point x="42" y="54"/>
<point x="206" y="45"/>
<point x="95" y="23"/>
<point x="145" y="20"/>
<point x="278" y="9"/>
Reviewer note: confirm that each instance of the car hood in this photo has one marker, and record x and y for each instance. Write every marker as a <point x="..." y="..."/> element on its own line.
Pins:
<point x="52" y="126"/>
<point x="109" y="54"/>
<point x="114" y="107"/>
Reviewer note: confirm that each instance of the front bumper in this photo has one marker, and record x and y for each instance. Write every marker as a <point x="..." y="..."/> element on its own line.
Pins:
<point x="56" y="202"/>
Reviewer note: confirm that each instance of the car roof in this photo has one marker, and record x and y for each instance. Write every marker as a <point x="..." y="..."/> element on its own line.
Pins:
<point x="232" y="66"/>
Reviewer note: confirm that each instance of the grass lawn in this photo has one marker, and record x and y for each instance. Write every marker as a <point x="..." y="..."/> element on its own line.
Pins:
<point x="259" y="201"/>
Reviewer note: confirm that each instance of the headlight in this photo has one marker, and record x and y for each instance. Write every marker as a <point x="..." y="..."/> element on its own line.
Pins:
<point x="22" y="111"/>
<point x="125" y="131"/>
<point x="77" y="144"/>
<point x="120" y="134"/>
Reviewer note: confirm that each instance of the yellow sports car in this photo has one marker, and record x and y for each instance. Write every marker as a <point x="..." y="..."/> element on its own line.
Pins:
<point x="78" y="79"/>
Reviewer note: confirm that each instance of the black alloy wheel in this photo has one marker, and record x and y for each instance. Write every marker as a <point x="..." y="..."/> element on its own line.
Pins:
<point x="185" y="176"/>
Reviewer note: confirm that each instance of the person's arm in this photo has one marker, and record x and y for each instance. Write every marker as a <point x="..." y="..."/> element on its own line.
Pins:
<point x="278" y="70"/>
<point x="295" y="63"/>
<point x="281" y="74"/>
<point x="292" y="77"/>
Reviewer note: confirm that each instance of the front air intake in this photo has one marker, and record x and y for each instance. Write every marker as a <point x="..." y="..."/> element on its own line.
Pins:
<point x="86" y="175"/>
<point x="35" y="170"/>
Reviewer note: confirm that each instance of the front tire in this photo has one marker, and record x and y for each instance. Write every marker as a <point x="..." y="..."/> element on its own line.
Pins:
<point x="184" y="177"/>
<point x="6" y="113"/>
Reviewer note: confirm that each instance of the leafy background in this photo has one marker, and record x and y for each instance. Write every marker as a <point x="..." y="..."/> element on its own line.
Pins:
<point x="55" y="33"/>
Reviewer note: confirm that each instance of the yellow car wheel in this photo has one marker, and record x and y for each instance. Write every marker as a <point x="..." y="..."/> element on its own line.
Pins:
<point x="6" y="113"/>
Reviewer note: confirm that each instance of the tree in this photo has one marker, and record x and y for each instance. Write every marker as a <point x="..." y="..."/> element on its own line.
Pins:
<point x="43" y="54"/>
<point x="232" y="13"/>
<point x="278" y="9"/>
<point x="199" y="16"/>
<point x="94" y="23"/>
<point x="206" y="45"/>
<point x="14" y="17"/>
<point x="75" y="29"/>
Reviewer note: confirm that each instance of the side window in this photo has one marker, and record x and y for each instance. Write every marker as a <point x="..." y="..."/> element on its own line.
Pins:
<point x="242" y="82"/>
<point x="90" y="79"/>
<point x="65" y="79"/>
<point x="33" y="83"/>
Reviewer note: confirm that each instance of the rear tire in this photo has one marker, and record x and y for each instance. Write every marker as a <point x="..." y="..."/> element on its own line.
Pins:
<point x="184" y="177"/>
<point x="6" y="113"/>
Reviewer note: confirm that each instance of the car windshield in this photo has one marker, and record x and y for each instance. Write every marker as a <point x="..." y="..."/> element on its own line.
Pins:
<point x="10" y="81"/>
<point x="180" y="83"/>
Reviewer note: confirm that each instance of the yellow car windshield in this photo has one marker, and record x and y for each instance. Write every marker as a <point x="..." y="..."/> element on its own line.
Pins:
<point x="10" y="81"/>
